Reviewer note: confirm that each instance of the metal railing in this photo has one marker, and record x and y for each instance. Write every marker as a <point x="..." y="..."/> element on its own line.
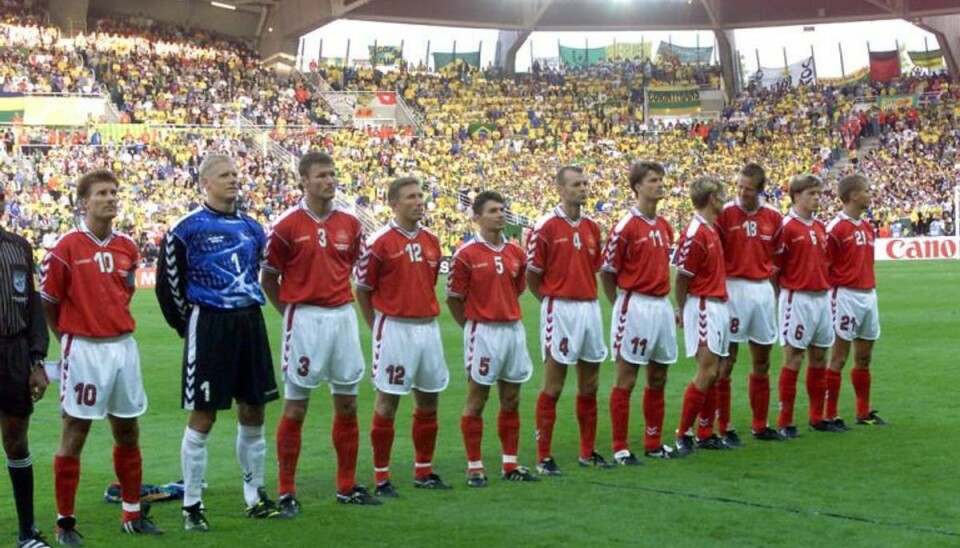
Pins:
<point x="269" y="147"/>
<point x="413" y="115"/>
<point x="512" y="218"/>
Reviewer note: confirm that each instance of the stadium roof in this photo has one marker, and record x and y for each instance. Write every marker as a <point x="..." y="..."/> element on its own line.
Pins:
<point x="292" y="18"/>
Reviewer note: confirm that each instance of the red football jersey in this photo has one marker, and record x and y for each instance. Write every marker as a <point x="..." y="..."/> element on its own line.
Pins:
<point x="638" y="253"/>
<point x="489" y="279"/>
<point x="850" y="249"/>
<point x="700" y="256"/>
<point x="314" y="255"/>
<point x="566" y="254"/>
<point x="802" y="247"/>
<point x="748" y="238"/>
<point x="93" y="281"/>
<point x="400" y="268"/>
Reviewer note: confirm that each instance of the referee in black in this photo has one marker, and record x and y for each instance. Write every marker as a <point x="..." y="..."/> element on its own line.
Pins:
<point x="23" y="347"/>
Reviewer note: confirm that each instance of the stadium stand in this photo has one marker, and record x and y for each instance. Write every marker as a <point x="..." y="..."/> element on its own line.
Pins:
<point x="482" y="130"/>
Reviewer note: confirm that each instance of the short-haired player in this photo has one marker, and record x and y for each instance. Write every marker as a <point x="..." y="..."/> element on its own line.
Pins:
<point x="310" y="254"/>
<point x="636" y="280"/>
<point x="856" y="317"/>
<point x="701" y="292"/>
<point x="806" y="326"/>
<point x="483" y="294"/>
<point x="395" y="277"/>
<point x="563" y="256"/>
<point x="748" y="227"/>
<point x="87" y="282"/>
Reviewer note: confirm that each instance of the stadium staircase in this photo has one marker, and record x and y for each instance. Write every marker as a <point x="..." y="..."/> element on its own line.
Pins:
<point x="269" y="147"/>
<point x="343" y="103"/>
<point x="867" y="145"/>
<point x="511" y="217"/>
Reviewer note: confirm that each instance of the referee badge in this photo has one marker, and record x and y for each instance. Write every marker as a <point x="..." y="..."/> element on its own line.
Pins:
<point x="20" y="281"/>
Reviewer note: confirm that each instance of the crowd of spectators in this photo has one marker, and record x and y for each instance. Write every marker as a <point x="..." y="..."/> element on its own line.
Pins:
<point x="482" y="130"/>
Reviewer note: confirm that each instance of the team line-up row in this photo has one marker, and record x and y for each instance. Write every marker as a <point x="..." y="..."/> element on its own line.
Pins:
<point x="218" y="266"/>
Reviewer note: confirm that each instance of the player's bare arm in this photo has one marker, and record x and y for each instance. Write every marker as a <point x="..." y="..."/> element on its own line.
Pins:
<point x="51" y="311"/>
<point x="609" y="281"/>
<point x="366" y="306"/>
<point x="533" y="283"/>
<point x="455" y="304"/>
<point x="270" y="281"/>
<point x="681" y="284"/>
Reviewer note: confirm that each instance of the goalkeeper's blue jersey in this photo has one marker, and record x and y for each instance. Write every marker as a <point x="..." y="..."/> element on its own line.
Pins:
<point x="214" y="257"/>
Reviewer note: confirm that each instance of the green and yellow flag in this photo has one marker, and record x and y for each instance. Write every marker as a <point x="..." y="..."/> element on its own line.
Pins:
<point x="12" y="106"/>
<point x="932" y="59"/>
<point x="673" y="100"/>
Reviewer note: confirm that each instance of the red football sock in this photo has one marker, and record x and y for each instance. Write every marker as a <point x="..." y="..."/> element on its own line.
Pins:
<point x="346" y="441"/>
<point x="66" y="472"/>
<point x="832" y="380"/>
<point x="723" y="405"/>
<point x="546" y="417"/>
<point x="472" y="430"/>
<point x="508" y="426"/>
<point x="620" y="418"/>
<point x="587" y="417"/>
<point x="288" y="453"/>
<point x="815" y="391"/>
<point x="693" y="400"/>
<point x="381" y="438"/>
<point x="759" y="401"/>
<point x="424" y="440"/>
<point x="707" y="413"/>
<point x="861" y="387"/>
<point x="788" y="395"/>
<point x="653" y="409"/>
<point x="128" y="465"/>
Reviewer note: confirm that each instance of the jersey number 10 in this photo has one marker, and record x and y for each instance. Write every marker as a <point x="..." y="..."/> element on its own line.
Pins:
<point x="104" y="260"/>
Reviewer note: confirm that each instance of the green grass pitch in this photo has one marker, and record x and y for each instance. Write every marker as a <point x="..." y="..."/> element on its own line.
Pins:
<point x="895" y="485"/>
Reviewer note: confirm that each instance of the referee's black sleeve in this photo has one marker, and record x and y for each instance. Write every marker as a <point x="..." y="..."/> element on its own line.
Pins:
<point x="38" y="336"/>
<point x="172" y="282"/>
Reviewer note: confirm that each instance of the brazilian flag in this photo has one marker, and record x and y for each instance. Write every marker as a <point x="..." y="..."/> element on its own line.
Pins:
<point x="12" y="106"/>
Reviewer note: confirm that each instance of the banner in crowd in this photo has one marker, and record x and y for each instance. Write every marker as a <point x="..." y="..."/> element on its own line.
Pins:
<point x="932" y="59"/>
<point x="801" y="72"/>
<point x="581" y="57"/>
<point x="12" y="106"/>
<point x="548" y="62"/>
<point x="384" y="55"/>
<point x="858" y="76"/>
<point x="916" y="249"/>
<point x="888" y="102"/>
<point x="685" y="55"/>
<point x="630" y="50"/>
<point x="884" y="65"/>
<point x="334" y="61"/>
<point x="442" y="59"/>
<point x="673" y="101"/>
<point x="379" y="105"/>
